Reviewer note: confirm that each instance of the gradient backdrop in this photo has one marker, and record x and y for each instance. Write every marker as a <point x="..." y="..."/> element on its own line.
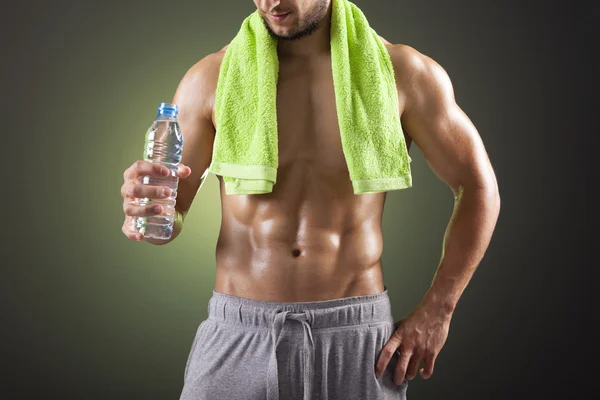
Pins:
<point x="90" y="314"/>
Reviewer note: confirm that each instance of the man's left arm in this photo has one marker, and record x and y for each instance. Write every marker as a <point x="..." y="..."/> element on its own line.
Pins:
<point x="455" y="152"/>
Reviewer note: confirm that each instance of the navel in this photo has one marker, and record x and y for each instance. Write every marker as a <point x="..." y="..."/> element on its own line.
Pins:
<point x="296" y="253"/>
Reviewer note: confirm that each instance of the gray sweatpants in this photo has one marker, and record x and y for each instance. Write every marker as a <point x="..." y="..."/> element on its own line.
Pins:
<point x="326" y="350"/>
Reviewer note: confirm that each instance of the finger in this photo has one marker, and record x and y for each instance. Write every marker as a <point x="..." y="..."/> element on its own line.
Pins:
<point x="145" y="167"/>
<point x="429" y="362"/>
<point x="132" y="190"/>
<point x="128" y="230"/>
<point x="401" y="366"/>
<point x="387" y="353"/>
<point x="132" y="209"/>
<point x="413" y="365"/>
<point x="183" y="171"/>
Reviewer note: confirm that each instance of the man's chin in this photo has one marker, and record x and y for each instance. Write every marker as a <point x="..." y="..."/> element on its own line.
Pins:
<point x="278" y="36"/>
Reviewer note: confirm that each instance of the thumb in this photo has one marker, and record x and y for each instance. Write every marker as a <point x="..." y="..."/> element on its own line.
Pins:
<point x="183" y="171"/>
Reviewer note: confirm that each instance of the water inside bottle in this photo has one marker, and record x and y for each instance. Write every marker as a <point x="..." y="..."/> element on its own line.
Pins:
<point x="159" y="226"/>
<point x="163" y="145"/>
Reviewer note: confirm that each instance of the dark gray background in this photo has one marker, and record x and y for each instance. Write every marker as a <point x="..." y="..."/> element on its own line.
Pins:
<point x="88" y="314"/>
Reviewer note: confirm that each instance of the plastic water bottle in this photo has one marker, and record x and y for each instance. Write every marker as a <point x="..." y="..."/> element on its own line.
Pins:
<point x="163" y="145"/>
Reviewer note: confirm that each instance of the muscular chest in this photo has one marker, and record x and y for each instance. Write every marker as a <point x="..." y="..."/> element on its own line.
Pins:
<point x="308" y="129"/>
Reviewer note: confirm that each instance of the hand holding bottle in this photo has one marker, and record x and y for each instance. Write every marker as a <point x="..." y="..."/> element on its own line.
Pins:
<point x="133" y="190"/>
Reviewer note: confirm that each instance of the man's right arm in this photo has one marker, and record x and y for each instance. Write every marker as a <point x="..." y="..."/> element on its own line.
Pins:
<point x="195" y="99"/>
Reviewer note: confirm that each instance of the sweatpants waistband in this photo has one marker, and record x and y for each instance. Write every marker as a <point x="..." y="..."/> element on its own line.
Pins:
<point x="322" y="314"/>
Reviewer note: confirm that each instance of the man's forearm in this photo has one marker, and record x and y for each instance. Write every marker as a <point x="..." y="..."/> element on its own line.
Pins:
<point x="466" y="239"/>
<point x="177" y="226"/>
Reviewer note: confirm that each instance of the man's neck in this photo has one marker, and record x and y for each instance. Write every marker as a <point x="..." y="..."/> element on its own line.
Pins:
<point x="313" y="45"/>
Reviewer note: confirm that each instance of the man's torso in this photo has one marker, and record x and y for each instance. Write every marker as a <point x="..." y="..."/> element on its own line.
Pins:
<point x="311" y="238"/>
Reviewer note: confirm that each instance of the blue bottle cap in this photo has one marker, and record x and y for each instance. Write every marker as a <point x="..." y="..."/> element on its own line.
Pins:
<point x="168" y="109"/>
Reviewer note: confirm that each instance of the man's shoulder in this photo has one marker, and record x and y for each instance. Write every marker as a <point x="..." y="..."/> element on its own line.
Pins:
<point x="408" y="61"/>
<point x="202" y="77"/>
<point x="415" y="72"/>
<point x="207" y="68"/>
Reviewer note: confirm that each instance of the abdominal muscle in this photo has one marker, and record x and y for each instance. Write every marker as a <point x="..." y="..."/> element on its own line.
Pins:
<point x="305" y="241"/>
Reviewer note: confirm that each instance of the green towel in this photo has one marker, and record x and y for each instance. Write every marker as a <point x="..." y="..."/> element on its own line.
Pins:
<point x="245" y="151"/>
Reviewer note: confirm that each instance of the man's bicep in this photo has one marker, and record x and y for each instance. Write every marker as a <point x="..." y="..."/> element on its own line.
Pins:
<point x="448" y="139"/>
<point x="196" y="154"/>
<point x="194" y="98"/>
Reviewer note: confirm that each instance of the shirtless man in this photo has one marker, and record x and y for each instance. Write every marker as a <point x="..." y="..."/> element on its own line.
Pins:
<point x="312" y="239"/>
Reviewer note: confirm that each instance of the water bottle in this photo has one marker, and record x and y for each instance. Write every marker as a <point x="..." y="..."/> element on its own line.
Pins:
<point x="163" y="145"/>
